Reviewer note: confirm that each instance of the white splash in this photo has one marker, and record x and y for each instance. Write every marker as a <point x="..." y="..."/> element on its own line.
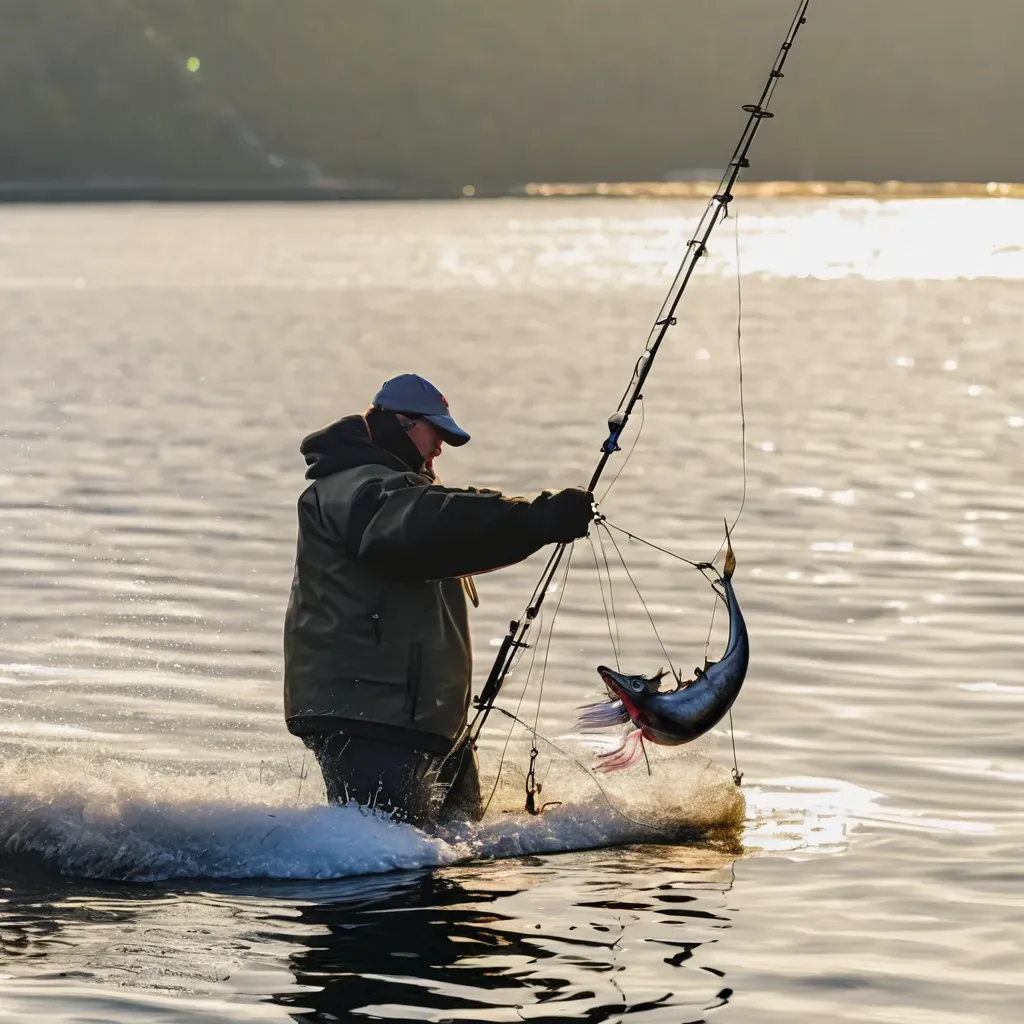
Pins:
<point x="112" y="820"/>
<point x="103" y="818"/>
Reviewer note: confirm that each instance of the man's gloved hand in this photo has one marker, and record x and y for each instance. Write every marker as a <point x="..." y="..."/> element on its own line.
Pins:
<point x="562" y="516"/>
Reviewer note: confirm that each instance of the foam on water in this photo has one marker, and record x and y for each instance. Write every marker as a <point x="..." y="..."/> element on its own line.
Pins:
<point x="113" y="820"/>
<point x="103" y="818"/>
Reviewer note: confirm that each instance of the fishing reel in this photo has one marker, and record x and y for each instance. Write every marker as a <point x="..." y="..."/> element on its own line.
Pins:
<point x="616" y="424"/>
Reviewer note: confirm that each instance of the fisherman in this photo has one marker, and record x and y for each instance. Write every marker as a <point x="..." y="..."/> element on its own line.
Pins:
<point x="378" y="659"/>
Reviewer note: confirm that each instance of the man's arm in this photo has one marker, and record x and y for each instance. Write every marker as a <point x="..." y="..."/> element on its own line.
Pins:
<point x="409" y="530"/>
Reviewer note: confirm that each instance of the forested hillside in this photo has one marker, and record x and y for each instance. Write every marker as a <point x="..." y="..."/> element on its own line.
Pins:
<point x="434" y="94"/>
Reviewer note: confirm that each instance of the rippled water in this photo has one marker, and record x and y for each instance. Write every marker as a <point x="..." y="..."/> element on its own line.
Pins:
<point x="166" y="854"/>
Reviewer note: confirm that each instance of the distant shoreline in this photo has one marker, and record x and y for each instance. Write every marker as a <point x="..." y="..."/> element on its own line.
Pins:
<point x="115" y="191"/>
<point x="788" y="189"/>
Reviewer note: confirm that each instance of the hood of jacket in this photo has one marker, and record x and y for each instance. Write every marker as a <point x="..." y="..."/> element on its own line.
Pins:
<point x="374" y="439"/>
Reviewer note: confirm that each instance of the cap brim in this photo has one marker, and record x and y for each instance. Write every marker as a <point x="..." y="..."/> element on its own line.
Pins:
<point x="449" y="430"/>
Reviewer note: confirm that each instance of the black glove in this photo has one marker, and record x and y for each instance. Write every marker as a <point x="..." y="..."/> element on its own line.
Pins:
<point x="562" y="516"/>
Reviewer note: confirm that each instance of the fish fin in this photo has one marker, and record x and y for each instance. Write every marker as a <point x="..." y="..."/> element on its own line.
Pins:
<point x="602" y="715"/>
<point x="698" y="673"/>
<point x="730" y="556"/>
<point x="625" y="757"/>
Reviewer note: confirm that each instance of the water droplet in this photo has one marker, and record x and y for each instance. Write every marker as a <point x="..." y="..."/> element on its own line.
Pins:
<point x="768" y="446"/>
<point x="192" y="64"/>
<point x="904" y="361"/>
<point x="974" y="390"/>
<point x="949" y="364"/>
<point x="469" y="190"/>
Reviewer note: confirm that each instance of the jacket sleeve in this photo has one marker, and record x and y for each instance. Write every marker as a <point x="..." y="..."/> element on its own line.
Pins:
<point x="409" y="529"/>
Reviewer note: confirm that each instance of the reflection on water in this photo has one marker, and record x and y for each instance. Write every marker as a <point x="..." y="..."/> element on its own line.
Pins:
<point x="592" y="936"/>
<point x="160" y="366"/>
<point x="485" y="946"/>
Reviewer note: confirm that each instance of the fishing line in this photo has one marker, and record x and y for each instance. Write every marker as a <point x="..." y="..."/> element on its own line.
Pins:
<point x="460" y="747"/>
<point x="644" y="603"/>
<point x="739" y="363"/>
<point x="701" y="567"/>
<point x="737" y="775"/>
<point x="742" y="400"/>
<point x="529" y="675"/>
<point x="551" y="633"/>
<point x="513" y="647"/>
<point x="711" y="629"/>
<point x="609" y="616"/>
<point x="519" y="707"/>
<point x="532" y="786"/>
<point x="611" y="591"/>
<point x="579" y="764"/>
<point x="647" y="760"/>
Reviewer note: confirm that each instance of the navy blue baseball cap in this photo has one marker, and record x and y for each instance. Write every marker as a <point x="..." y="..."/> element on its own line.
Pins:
<point x="413" y="395"/>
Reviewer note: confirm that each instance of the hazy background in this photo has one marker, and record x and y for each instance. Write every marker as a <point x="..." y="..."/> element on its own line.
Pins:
<point x="426" y="97"/>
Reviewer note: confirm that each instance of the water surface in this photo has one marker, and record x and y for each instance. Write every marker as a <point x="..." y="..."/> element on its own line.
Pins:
<point x="166" y="853"/>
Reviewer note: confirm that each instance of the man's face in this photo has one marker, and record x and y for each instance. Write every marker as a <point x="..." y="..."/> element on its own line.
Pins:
<point x="424" y="435"/>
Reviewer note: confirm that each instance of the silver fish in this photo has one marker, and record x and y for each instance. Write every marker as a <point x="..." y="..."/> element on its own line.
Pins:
<point x="684" y="713"/>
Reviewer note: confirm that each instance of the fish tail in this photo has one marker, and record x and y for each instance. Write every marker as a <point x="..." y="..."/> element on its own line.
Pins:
<point x="602" y="715"/>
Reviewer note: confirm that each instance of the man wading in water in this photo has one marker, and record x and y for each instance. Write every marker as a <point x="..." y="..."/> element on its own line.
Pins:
<point x="378" y="661"/>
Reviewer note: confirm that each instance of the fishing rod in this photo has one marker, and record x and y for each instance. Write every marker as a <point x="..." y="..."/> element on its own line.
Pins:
<point x="717" y="208"/>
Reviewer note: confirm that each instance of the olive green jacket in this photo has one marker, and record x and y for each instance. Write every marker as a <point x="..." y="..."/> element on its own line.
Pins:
<point x="377" y="638"/>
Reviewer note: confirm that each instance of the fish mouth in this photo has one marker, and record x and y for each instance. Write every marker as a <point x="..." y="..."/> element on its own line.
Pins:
<point x="613" y="681"/>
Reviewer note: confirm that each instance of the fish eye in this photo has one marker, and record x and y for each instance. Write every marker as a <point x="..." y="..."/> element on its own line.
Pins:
<point x="636" y="685"/>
